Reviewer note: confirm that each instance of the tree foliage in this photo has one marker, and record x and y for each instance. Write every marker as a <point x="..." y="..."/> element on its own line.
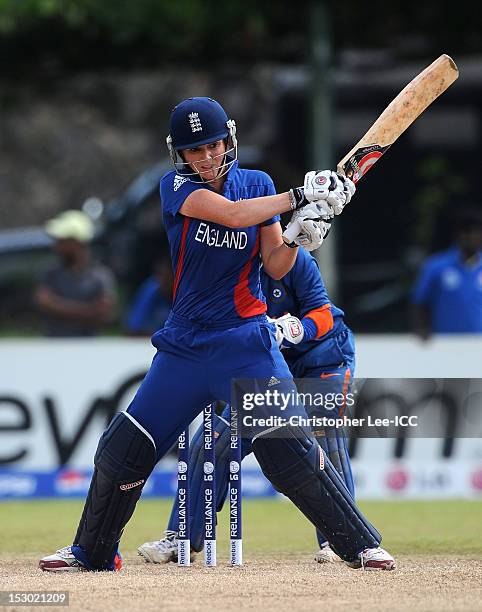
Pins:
<point x="152" y="31"/>
<point x="78" y="33"/>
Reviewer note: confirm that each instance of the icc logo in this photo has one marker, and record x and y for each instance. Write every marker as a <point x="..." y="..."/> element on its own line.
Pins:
<point x="182" y="467"/>
<point x="233" y="467"/>
<point x="208" y="467"/>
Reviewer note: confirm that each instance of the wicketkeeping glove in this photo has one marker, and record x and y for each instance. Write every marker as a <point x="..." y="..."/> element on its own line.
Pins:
<point x="292" y="331"/>
<point x="278" y="330"/>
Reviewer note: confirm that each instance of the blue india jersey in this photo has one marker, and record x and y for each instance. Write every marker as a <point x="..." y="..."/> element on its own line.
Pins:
<point x="299" y="292"/>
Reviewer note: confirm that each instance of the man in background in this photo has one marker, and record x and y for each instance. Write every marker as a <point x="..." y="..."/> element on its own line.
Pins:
<point x="152" y="301"/>
<point x="448" y="293"/>
<point x="76" y="295"/>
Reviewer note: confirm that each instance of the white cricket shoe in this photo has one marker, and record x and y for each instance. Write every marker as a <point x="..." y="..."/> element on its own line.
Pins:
<point x="61" y="561"/>
<point x="373" y="559"/>
<point x="64" y="561"/>
<point x="326" y="555"/>
<point x="162" y="551"/>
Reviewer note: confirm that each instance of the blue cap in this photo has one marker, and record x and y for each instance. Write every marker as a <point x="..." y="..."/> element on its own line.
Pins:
<point x="197" y="121"/>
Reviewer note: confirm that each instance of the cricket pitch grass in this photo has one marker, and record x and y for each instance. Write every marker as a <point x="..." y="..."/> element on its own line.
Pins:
<point x="438" y="547"/>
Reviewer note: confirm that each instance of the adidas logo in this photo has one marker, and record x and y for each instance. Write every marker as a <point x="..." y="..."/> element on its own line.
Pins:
<point x="273" y="381"/>
<point x="178" y="181"/>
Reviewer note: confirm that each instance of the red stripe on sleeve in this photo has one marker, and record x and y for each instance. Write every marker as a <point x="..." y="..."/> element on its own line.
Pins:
<point x="180" y="260"/>
<point x="246" y="304"/>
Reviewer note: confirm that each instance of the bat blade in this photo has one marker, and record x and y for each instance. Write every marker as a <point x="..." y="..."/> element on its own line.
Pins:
<point x="398" y="116"/>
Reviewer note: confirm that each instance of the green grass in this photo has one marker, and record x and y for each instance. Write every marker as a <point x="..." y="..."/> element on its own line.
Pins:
<point x="270" y="526"/>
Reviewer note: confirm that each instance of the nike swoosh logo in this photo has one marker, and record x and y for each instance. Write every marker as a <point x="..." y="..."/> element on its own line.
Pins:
<point x="323" y="375"/>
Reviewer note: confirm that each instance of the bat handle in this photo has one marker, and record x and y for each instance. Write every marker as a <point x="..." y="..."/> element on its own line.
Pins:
<point x="292" y="231"/>
<point x="351" y="174"/>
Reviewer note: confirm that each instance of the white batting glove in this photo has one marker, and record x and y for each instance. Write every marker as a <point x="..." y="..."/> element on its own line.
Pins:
<point x="278" y="330"/>
<point x="291" y="329"/>
<point x="340" y="198"/>
<point x="336" y="189"/>
<point x="312" y="233"/>
<point x="316" y="209"/>
<point x="313" y="210"/>
<point x="309" y="225"/>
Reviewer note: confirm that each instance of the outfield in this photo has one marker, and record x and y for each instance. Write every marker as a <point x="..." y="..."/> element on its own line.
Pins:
<point x="438" y="546"/>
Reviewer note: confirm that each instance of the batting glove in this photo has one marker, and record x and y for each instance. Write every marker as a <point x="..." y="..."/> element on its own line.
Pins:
<point x="336" y="189"/>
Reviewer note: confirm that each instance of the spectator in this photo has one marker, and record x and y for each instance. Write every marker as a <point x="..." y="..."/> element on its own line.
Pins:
<point x="152" y="302"/>
<point x="77" y="296"/>
<point x="448" y="293"/>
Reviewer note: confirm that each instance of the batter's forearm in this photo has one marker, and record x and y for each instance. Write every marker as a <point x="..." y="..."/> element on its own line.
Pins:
<point x="210" y="206"/>
<point x="257" y="210"/>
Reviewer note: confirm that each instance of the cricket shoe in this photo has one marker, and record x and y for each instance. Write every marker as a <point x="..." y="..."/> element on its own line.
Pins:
<point x="64" y="561"/>
<point x="373" y="559"/>
<point x="162" y="551"/>
<point x="326" y="555"/>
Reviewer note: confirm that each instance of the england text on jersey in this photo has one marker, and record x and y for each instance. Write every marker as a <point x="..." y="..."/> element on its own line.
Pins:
<point x="215" y="237"/>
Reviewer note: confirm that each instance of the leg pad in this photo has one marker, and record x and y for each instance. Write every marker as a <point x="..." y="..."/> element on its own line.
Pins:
<point x="298" y="467"/>
<point x="125" y="457"/>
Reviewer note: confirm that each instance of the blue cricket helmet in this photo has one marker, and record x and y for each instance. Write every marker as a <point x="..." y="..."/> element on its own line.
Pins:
<point x="199" y="121"/>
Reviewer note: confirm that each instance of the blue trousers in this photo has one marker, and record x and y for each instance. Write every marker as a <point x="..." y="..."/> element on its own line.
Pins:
<point x="333" y="367"/>
<point x="194" y="366"/>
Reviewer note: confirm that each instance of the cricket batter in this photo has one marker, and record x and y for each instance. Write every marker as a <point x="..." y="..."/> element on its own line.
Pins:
<point x="222" y="222"/>
<point x="324" y="350"/>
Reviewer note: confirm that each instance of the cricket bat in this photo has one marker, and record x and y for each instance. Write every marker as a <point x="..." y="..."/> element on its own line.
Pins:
<point x="399" y="114"/>
<point x="395" y="119"/>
